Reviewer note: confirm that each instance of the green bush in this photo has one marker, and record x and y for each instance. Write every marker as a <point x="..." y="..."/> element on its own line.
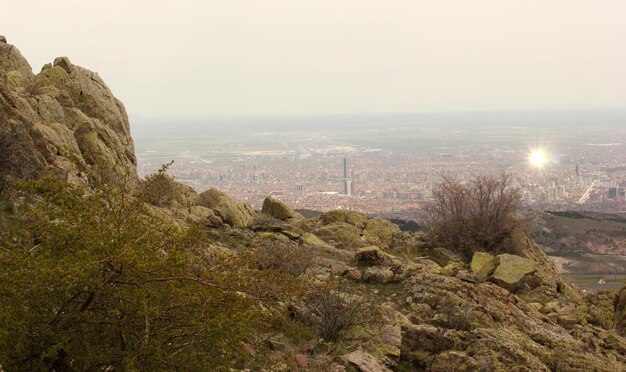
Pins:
<point x="93" y="280"/>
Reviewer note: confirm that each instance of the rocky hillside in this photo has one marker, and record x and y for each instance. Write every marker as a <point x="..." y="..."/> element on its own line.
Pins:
<point x="376" y="298"/>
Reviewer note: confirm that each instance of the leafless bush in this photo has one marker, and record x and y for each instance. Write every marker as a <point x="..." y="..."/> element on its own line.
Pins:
<point x="478" y="215"/>
<point x="335" y="308"/>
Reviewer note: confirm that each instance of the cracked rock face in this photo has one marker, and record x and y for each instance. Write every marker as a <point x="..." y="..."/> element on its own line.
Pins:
<point x="67" y="114"/>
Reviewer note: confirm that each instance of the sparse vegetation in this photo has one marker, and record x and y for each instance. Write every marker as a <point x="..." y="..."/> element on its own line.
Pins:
<point x="481" y="215"/>
<point x="159" y="189"/>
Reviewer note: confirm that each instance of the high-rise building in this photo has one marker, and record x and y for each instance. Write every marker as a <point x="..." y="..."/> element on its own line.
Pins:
<point x="347" y="182"/>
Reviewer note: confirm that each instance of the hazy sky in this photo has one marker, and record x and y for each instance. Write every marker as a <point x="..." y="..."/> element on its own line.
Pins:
<point x="196" y="58"/>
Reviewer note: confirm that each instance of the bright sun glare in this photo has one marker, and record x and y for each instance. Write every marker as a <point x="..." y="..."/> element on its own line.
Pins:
<point x="537" y="158"/>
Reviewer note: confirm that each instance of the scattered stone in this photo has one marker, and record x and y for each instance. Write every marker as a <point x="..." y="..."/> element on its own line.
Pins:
<point x="454" y="361"/>
<point x="249" y="348"/>
<point x="378" y="275"/>
<point x="306" y="347"/>
<point x="301" y="360"/>
<point x="352" y="274"/>
<point x="276" y="345"/>
<point x="363" y="362"/>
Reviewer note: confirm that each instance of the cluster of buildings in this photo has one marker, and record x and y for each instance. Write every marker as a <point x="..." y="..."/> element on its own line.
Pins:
<point x="396" y="184"/>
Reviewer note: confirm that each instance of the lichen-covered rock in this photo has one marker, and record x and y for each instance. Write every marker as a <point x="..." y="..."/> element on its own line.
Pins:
<point x="601" y="309"/>
<point x="371" y="256"/>
<point x="511" y="270"/>
<point x="353" y="218"/>
<point x="231" y="212"/>
<point x="380" y="232"/>
<point x="380" y="275"/>
<point x="363" y="362"/>
<point x="277" y="209"/>
<point x="483" y="265"/>
<point x="454" y="361"/>
<point x="340" y="234"/>
<point x="311" y="239"/>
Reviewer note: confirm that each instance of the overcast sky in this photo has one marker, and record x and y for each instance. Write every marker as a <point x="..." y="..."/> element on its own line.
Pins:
<point x="248" y="57"/>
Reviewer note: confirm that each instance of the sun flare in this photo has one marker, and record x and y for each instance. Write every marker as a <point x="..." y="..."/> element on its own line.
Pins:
<point x="537" y="158"/>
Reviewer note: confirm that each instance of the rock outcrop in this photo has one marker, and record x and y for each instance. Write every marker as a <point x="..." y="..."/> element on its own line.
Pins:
<point x="67" y="115"/>
<point x="230" y="211"/>
<point x="277" y="209"/>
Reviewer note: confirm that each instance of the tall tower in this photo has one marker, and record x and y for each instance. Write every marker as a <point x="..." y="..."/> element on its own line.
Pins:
<point x="347" y="182"/>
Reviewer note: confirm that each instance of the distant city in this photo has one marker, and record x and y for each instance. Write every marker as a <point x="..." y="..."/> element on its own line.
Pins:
<point x="386" y="165"/>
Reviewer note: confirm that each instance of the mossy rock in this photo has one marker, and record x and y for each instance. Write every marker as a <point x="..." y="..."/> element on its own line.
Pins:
<point x="483" y="265"/>
<point x="340" y="234"/>
<point x="311" y="239"/>
<point x="371" y="256"/>
<point x="454" y="361"/>
<point x="277" y="209"/>
<point x="512" y="270"/>
<point x="380" y="232"/>
<point x="356" y="219"/>
<point x="231" y="212"/>
<point x="601" y="311"/>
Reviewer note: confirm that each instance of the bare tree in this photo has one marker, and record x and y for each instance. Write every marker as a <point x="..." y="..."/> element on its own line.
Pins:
<point x="474" y="216"/>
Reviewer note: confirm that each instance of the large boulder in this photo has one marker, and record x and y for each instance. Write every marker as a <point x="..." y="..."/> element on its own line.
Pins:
<point x="371" y="256"/>
<point x="483" y="265"/>
<point x="512" y="270"/>
<point x="380" y="232"/>
<point x="356" y="219"/>
<point x="67" y="115"/>
<point x="340" y="234"/>
<point x="277" y="209"/>
<point x="235" y="214"/>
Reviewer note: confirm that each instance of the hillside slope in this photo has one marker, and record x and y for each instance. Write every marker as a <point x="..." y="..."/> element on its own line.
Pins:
<point x="151" y="275"/>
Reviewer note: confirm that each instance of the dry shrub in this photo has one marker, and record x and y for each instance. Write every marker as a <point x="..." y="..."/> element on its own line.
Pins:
<point x="288" y="258"/>
<point x="475" y="216"/>
<point x="335" y="308"/>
